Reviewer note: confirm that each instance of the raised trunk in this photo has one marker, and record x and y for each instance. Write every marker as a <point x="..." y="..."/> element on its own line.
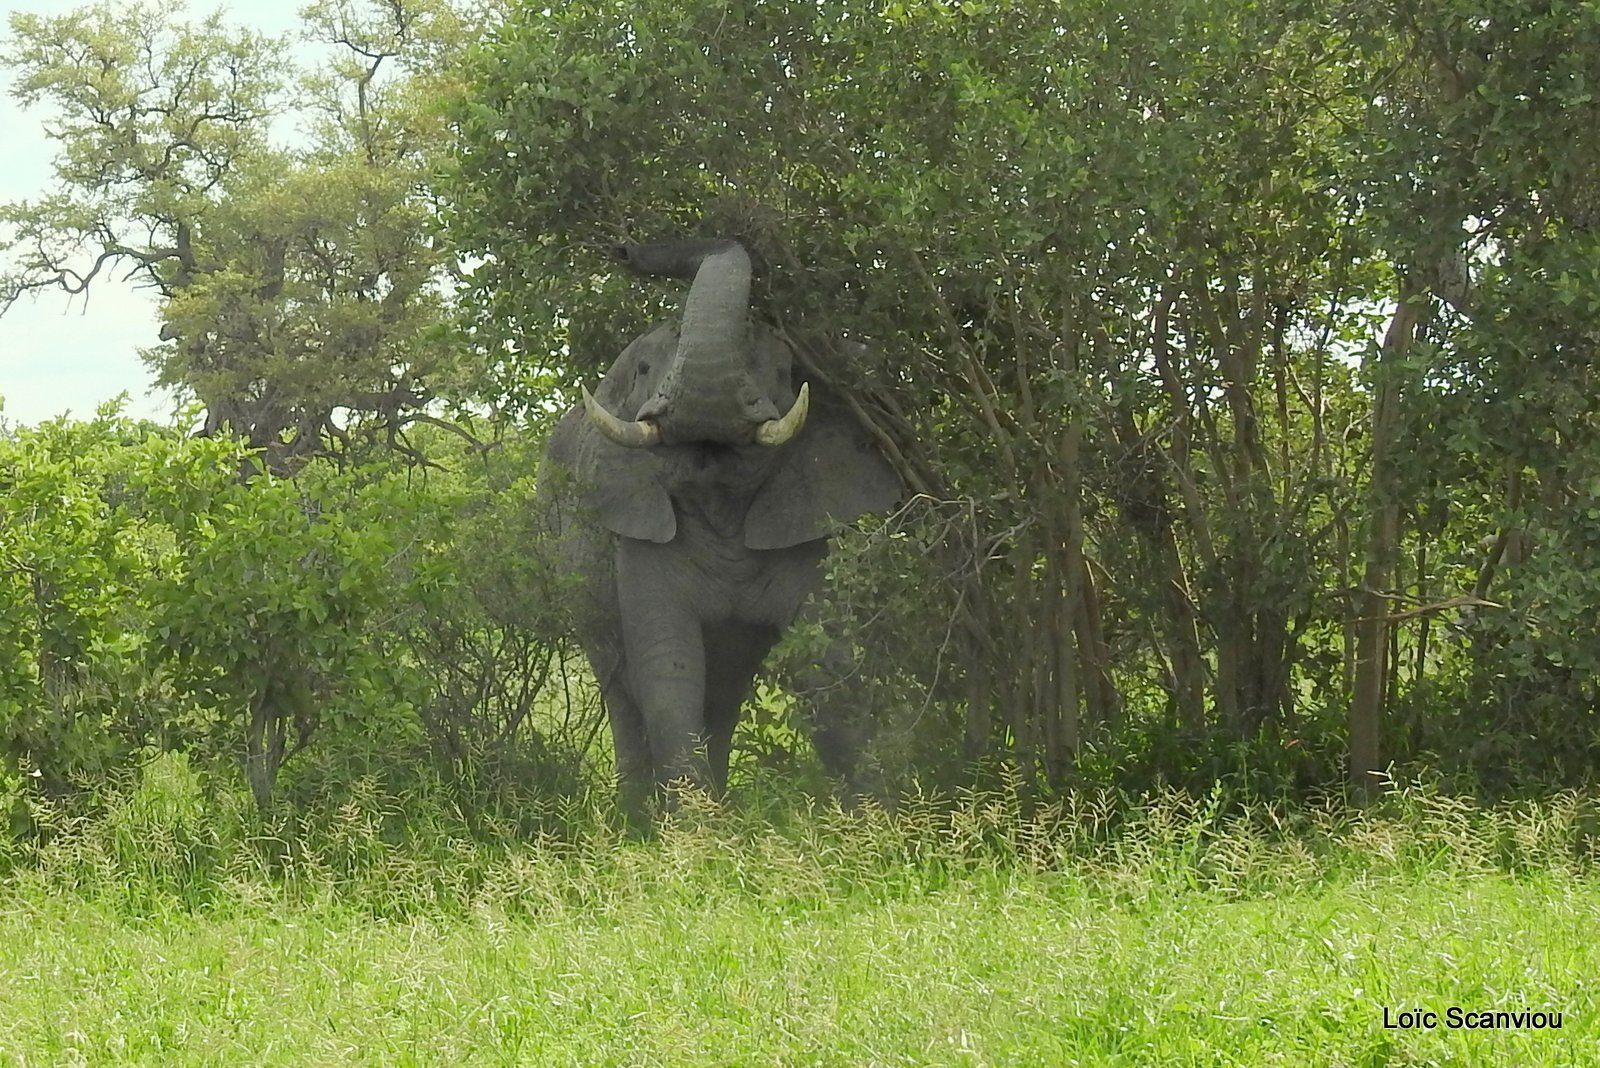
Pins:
<point x="716" y="315"/>
<point x="710" y="392"/>
<point x="714" y="389"/>
<point x="672" y="259"/>
<point x="709" y="382"/>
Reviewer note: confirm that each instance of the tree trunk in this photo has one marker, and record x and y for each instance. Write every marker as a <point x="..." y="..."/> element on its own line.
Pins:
<point x="263" y="746"/>
<point x="1100" y="693"/>
<point x="979" y="681"/>
<point x="1024" y="739"/>
<point x="1183" y="632"/>
<point x="1066" y="592"/>
<point x="1383" y="538"/>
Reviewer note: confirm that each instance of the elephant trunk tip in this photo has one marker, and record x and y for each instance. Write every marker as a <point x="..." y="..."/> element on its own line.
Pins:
<point x="677" y="259"/>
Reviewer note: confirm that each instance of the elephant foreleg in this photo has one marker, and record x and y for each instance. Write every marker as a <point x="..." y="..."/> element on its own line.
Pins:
<point x="734" y="651"/>
<point x="665" y="654"/>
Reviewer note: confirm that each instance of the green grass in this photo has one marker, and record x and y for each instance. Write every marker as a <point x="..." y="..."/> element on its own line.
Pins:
<point x="960" y="934"/>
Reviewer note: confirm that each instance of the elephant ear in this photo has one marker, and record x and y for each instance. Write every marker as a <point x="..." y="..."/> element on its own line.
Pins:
<point x="831" y="472"/>
<point x="626" y="488"/>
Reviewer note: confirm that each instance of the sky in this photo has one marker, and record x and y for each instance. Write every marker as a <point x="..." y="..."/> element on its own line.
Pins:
<point x="69" y="354"/>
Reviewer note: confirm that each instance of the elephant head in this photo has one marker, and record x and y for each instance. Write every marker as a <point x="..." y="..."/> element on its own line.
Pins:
<point x="715" y="388"/>
<point x="713" y="402"/>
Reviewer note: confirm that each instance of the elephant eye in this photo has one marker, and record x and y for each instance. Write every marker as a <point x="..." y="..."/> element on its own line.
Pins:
<point x="644" y="369"/>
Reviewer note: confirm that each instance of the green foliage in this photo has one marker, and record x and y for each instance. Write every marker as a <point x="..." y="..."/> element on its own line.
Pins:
<point x="275" y="619"/>
<point x="1128" y="277"/>
<point x="76" y="697"/>
<point x="887" y="600"/>
<point x="1155" y="171"/>
<point x="158" y="601"/>
<point x="505" y="699"/>
<point x="1499" y="127"/>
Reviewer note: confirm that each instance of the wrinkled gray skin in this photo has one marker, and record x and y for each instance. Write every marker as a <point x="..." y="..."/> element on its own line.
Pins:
<point x="697" y="551"/>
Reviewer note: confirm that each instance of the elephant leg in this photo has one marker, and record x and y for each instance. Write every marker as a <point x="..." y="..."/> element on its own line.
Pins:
<point x="632" y="746"/>
<point x="843" y="739"/>
<point x="635" y="778"/>
<point x="734" y="651"/>
<point x="665" y="655"/>
<point x="841" y="728"/>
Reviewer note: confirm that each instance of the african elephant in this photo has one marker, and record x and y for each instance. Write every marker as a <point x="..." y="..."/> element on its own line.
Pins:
<point x="692" y="494"/>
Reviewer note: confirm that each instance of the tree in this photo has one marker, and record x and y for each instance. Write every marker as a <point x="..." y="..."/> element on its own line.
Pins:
<point x="1482" y="180"/>
<point x="300" y="278"/>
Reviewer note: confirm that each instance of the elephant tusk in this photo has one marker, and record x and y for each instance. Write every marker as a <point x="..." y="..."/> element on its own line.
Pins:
<point x="632" y="435"/>
<point x="778" y="431"/>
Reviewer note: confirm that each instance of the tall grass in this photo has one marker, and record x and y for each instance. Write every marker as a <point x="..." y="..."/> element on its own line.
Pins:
<point x="174" y="840"/>
<point x="386" y="927"/>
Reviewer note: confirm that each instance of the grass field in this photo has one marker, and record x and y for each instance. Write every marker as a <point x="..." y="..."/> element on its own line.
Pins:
<point x="945" y="935"/>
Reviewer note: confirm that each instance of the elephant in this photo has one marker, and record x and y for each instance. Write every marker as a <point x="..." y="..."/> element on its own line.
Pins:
<point x="692" y="494"/>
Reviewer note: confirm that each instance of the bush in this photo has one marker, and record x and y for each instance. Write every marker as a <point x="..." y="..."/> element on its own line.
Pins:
<point x="159" y="596"/>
